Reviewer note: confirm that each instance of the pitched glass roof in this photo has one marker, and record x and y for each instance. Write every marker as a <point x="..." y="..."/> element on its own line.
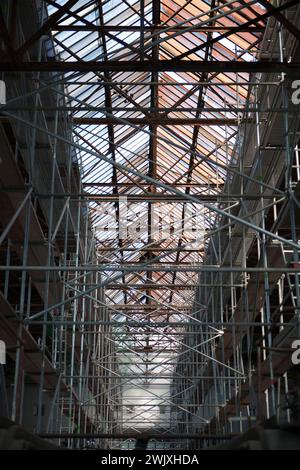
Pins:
<point x="190" y="157"/>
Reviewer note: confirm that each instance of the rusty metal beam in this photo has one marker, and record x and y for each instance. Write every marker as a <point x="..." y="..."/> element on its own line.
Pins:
<point x="133" y="185"/>
<point x="159" y="121"/>
<point x="135" y="435"/>
<point x="141" y="250"/>
<point x="155" y="197"/>
<point x="151" y="286"/>
<point x="194" y="66"/>
<point x="152" y="28"/>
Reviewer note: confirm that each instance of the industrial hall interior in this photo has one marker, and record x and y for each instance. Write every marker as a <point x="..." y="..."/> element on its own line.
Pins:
<point x="149" y="224"/>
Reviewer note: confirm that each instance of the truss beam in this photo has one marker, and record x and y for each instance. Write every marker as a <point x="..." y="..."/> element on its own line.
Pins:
<point x="197" y="66"/>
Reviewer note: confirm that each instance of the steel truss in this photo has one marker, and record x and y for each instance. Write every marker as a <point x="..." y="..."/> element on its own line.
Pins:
<point x="183" y="337"/>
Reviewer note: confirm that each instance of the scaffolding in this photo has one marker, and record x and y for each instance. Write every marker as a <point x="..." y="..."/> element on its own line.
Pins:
<point x="149" y="277"/>
<point x="249" y="310"/>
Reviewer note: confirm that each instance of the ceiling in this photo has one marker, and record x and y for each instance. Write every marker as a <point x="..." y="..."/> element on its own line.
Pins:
<point x="171" y="134"/>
